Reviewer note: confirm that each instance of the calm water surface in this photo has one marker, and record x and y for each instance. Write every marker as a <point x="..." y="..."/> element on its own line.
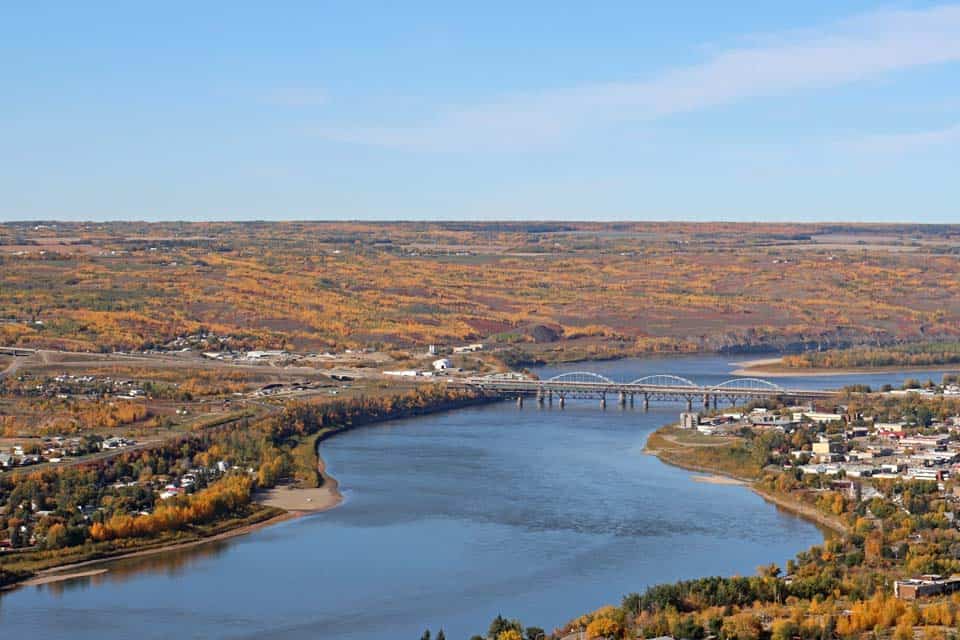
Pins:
<point x="449" y="520"/>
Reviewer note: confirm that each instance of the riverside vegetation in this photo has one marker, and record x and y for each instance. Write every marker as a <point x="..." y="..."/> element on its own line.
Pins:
<point x="839" y="589"/>
<point x="909" y="355"/>
<point x="531" y="292"/>
<point x="110" y="507"/>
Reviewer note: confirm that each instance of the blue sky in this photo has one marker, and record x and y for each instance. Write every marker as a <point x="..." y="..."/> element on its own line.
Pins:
<point x="737" y="110"/>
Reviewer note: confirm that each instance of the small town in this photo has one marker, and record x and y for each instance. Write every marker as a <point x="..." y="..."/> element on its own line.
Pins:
<point x="482" y="321"/>
<point x="853" y="446"/>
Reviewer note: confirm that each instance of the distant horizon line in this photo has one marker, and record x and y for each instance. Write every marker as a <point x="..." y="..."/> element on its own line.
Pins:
<point x="44" y="221"/>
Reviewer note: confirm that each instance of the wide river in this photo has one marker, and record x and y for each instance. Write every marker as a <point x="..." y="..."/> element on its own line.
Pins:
<point x="541" y="514"/>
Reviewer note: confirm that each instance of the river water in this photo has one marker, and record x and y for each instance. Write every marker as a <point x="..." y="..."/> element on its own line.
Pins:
<point x="450" y="519"/>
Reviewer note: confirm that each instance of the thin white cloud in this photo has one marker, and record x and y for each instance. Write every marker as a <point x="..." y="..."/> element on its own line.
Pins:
<point x="895" y="143"/>
<point x="296" y="97"/>
<point x="839" y="54"/>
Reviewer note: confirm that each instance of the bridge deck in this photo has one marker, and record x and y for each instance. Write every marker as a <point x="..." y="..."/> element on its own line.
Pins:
<point x="599" y="389"/>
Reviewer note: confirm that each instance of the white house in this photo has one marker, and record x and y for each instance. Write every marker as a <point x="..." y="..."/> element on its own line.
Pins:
<point x="817" y="416"/>
<point x="441" y="364"/>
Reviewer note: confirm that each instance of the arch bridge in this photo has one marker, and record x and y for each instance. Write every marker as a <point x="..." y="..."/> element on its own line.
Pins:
<point x="587" y="384"/>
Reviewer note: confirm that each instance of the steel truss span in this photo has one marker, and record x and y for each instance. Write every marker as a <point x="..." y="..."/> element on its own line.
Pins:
<point x="588" y="384"/>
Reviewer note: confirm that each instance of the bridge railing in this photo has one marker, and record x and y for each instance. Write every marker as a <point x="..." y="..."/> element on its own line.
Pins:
<point x="659" y="384"/>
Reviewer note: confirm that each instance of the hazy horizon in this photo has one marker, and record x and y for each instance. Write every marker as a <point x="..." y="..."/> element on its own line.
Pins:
<point x="440" y="220"/>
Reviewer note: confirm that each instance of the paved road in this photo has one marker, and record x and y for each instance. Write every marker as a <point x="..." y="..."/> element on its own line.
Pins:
<point x="46" y="358"/>
<point x="146" y="444"/>
<point x="12" y="367"/>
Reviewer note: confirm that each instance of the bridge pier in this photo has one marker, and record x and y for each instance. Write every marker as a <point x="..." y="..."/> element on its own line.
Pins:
<point x="734" y="392"/>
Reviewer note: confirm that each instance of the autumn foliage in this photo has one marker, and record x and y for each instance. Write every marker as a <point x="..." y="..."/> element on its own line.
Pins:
<point x="606" y="288"/>
<point x="223" y="498"/>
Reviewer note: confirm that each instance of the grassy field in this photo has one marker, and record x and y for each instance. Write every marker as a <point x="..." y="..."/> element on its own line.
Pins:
<point x="692" y="450"/>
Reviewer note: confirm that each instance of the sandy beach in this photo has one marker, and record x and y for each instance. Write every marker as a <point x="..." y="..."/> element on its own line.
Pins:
<point x="788" y="504"/>
<point x="60" y="577"/>
<point x="717" y="479"/>
<point x="307" y="500"/>
<point x="295" y="502"/>
<point x="709" y="476"/>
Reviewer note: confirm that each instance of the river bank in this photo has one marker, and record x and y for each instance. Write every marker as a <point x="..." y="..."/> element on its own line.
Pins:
<point x="805" y="511"/>
<point x="274" y="505"/>
<point x="305" y="499"/>
<point x="285" y="502"/>
<point x="327" y="495"/>
<point x="714" y="474"/>
<point x="772" y="368"/>
<point x="717" y="479"/>
<point x="68" y="571"/>
<point x="293" y="502"/>
<point x="448" y="518"/>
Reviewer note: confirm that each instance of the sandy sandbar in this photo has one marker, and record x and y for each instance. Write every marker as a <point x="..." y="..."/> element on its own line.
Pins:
<point x="63" y="572"/>
<point x="304" y="500"/>
<point x="715" y="479"/>
<point x="60" y="577"/>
